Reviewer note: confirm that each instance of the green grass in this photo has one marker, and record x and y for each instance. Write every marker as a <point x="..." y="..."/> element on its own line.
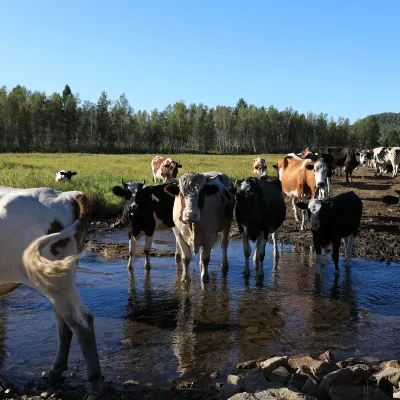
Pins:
<point x="98" y="173"/>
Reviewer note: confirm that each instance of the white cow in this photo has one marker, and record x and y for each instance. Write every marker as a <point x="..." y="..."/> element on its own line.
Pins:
<point x="381" y="158"/>
<point x="203" y="207"/>
<point x="42" y="233"/>
<point x="394" y="158"/>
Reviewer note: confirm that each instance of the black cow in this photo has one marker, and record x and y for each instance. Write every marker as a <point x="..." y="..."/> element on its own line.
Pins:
<point x="392" y="199"/>
<point x="62" y="175"/>
<point x="260" y="210"/>
<point x="344" y="157"/>
<point x="146" y="210"/>
<point x="333" y="220"/>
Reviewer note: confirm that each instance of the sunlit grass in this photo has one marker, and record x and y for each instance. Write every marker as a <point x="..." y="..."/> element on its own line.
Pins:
<point x="98" y="173"/>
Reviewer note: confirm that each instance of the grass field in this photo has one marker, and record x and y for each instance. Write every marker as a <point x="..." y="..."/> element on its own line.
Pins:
<point x="98" y="173"/>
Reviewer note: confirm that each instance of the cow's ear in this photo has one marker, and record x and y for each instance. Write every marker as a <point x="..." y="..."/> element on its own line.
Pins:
<point x="390" y="199"/>
<point x="211" y="189"/>
<point x="179" y="165"/>
<point x="310" y="166"/>
<point x="121" y="192"/>
<point x="73" y="173"/>
<point x="172" y="190"/>
<point x="301" y="205"/>
<point x="274" y="166"/>
<point x="63" y="173"/>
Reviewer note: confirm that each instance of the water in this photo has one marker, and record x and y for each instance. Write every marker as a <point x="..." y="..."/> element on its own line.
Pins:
<point x="152" y="328"/>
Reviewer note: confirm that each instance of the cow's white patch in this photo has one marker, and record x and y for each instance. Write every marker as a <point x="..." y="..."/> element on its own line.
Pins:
<point x="292" y="194"/>
<point x="320" y="172"/>
<point x="155" y="198"/>
<point x="245" y="186"/>
<point x="315" y="207"/>
<point x="132" y="187"/>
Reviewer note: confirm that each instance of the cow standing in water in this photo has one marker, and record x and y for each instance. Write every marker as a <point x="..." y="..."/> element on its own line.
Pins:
<point x="260" y="210"/>
<point x="203" y="207"/>
<point x="333" y="220"/>
<point x="42" y="234"/>
<point x="164" y="169"/>
<point x="259" y="166"/>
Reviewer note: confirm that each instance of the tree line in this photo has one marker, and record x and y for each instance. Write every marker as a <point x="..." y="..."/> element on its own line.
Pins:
<point x="35" y="122"/>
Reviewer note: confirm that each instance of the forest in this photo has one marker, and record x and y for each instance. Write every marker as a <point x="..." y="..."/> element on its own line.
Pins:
<point x="35" y="122"/>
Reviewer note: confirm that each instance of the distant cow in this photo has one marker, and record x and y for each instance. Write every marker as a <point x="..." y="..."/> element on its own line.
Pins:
<point x="394" y="158"/>
<point x="381" y="159"/>
<point x="333" y="220"/>
<point x="259" y="166"/>
<point x="203" y="207"/>
<point x="366" y="158"/>
<point x="62" y="175"/>
<point x="42" y="234"/>
<point x="344" y="157"/>
<point x="392" y="199"/>
<point x="164" y="169"/>
<point x="260" y="210"/>
<point x="306" y="153"/>
<point x="146" y="210"/>
<point x="302" y="179"/>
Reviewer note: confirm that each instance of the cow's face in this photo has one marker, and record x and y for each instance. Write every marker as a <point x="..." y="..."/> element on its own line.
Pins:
<point x="259" y="166"/>
<point x="171" y="168"/>
<point x="63" y="175"/>
<point x="364" y="157"/>
<point x="193" y="189"/>
<point x="320" y="172"/>
<point x="314" y="208"/>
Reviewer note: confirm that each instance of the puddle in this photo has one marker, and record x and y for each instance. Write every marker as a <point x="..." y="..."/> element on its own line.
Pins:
<point x="152" y="328"/>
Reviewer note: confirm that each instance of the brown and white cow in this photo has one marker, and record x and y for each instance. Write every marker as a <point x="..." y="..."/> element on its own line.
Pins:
<point x="42" y="234"/>
<point x="203" y="207"/>
<point x="301" y="180"/>
<point x="164" y="169"/>
<point x="259" y="166"/>
<point x="306" y="153"/>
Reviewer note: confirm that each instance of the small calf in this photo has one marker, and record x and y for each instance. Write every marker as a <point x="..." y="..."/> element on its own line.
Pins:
<point x="62" y="175"/>
<point x="259" y="166"/>
<point x="164" y="169"/>
<point x="333" y="220"/>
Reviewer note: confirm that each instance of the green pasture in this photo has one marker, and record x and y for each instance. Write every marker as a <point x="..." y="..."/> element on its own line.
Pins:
<point x="98" y="173"/>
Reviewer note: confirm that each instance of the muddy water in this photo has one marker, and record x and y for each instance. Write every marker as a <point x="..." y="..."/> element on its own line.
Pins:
<point x="152" y="328"/>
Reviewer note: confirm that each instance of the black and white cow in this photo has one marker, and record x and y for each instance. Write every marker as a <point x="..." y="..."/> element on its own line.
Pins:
<point x="146" y="210"/>
<point x="333" y="220"/>
<point x="260" y="210"/>
<point x="203" y="207"/>
<point x="366" y="158"/>
<point x="62" y="175"/>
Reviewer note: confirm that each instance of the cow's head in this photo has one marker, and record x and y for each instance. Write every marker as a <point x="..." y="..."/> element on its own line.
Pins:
<point x="313" y="208"/>
<point x="64" y="175"/>
<point x="364" y="157"/>
<point x="320" y="172"/>
<point x="170" y="168"/>
<point x="306" y="153"/>
<point x="259" y="166"/>
<point x="193" y="188"/>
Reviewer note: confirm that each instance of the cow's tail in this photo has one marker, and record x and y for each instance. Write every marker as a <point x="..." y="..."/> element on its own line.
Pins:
<point x="41" y="270"/>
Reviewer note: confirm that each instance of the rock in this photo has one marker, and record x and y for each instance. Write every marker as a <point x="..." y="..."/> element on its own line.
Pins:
<point x="396" y="395"/>
<point x="312" y="390"/>
<point x="322" y="368"/>
<point x="233" y="379"/>
<point x="341" y="377"/>
<point x="44" y="395"/>
<point x="298" y="381"/>
<point x="327" y="356"/>
<point x="351" y="393"/>
<point x="360" y="371"/>
<point x="249" y="364"/>
<point x="272" y="364"/>
<point x="280" y="375"/>
<point x="346" y="363"/>
<point x="229" y="390"/>
<point x="379" y="395"/>
<point x="299" y="361"/>
<point x="255" y="381"/>
<point x="386" y="387"/>
<point x="389" y="364"/>
<point x="273" y="394"/>
<point x="131" y="382"/>
<point x="214" y="375"/>
<point x="391" y="374"/>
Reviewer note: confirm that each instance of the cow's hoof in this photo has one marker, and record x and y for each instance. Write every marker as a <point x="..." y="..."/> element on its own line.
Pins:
<point x="185" y="279"/>
<point x="53" y="376"/>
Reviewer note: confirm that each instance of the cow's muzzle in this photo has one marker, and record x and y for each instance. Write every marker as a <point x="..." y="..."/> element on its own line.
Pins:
<point x="320" y="185"/>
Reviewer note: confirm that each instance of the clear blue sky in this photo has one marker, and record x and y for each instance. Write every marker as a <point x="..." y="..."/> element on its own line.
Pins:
<point x="340" y="57"/>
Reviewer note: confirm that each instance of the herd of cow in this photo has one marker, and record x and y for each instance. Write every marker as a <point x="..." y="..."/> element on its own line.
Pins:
<point x="43" y="231"/>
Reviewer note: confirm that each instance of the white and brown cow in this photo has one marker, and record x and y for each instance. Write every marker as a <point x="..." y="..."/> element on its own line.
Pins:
<point x="42" y="233"/>
<point x="394" y="158"/>
<point x="164" y="169"/>
<point x="302" y="179"/>
<point x="203" y="207"/>
<point x="259" y="166"/>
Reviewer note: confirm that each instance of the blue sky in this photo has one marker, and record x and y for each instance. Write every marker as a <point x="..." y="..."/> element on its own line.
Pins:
<point x="339" y="57"/>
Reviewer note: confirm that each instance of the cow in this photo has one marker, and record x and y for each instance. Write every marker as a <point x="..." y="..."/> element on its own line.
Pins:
<point x="146" y="210"/>
<point x="366" y="158"/>
<point x="306" y="153"/>
<point x="259" y="166"/>
<point x="62" y="175"/>
<point x="394" y="158"/>
<point x="333" y="220"/>
<point x="203" y="207"/>
<point x="260" y="210"/>
<point x="389" y="199"/>
<point x="344" y="157"/>
<point x="165" y="169"/>
<point x="381" y="160"/>
<point x="42" y="235"/>
<point x="302" y="179"/>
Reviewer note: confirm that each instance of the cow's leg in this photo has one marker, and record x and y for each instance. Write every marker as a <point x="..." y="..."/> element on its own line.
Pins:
<point x="186" y="255"/>
<point x="345" y="240"/>
<point x="205" y="260"/>
<point x="335" y="255"/>
<point x="247" y="253"/>
<point x="318" y="256"/>
<point x="178" y="252"/>
<point x="132" y="251"/>
<point x="224" y="246"/>
<point x="64" y="341"/>
<point x="303" y="220"/>
<point x="349" y="250"/>
<point x="70" y="307"/>
<point x="260" y="254"/>
<point x="275" y="242"/>
<point x="296" y="215"/>
<point x="328" y="187"/>
<point x="148" y="241"/>
<point x="255" y="258"/>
